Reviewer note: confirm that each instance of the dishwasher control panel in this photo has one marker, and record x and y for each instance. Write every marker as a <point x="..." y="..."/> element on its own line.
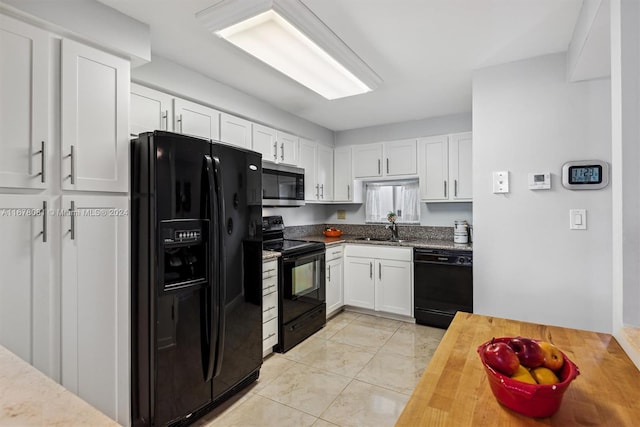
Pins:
<point x="443" y="256"/>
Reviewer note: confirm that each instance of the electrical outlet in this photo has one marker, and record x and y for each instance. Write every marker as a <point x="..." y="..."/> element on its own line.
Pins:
<point x="341" y="214"/>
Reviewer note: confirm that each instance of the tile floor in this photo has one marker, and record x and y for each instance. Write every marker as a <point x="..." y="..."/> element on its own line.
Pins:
<point x="359" y="370"/>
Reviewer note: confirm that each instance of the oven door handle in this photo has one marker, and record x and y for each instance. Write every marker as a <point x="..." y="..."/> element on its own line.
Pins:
<point x="304" y="257"/>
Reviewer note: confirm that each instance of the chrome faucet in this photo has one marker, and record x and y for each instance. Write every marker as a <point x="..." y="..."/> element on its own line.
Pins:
<point x="394" y="231"/>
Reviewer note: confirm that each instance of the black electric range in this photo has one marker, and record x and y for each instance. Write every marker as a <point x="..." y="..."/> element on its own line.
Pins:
<point x="302" y="288"/>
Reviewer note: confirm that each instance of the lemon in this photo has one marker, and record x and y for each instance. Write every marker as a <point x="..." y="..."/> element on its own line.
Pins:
<point x="523" y="375"/>
<point x="544" y="375"/>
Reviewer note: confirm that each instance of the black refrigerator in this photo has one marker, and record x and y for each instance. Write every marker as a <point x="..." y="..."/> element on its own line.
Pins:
<point x="196" y="237"/>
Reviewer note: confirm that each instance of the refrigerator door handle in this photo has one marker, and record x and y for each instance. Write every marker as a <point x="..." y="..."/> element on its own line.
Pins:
<point x="212" y="331"/>
<point x="221" y="262"/>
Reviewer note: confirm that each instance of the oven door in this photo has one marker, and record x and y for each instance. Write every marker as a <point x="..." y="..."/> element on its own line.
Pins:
<point x="303" y="281"/>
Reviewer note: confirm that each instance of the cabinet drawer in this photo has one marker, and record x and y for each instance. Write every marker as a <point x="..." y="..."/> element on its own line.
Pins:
<point x="334" y="252"/>
<point x="269" y="307"/>
<point x="269" y="285"/>
<point x="269" y="269"/>
<point x="269" y="334"/>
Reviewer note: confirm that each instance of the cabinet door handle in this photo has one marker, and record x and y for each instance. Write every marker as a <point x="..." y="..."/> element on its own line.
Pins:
<point x="348" y="191"/>
<point x="44" y="221"/>
<point x="275" y="150"/>
<point x="380" y="271"/>
<point x="282" y="151"/>
<point x="455" y="188"/>
<point x="43" y="161"/>
<point x="445" y="189"/>
<point x="379" y="171"/>
<point x="179" y="120"/>
<point x="370" y="270"/>
<point x="165" y="116"/>
<point x="329" y="270"/>
<point x="72" y="157"/>
<point x="317" y="191"/>
<point x="322" y="188"/>
<point x="72" y="214"/>
<point x="387" y="165"/>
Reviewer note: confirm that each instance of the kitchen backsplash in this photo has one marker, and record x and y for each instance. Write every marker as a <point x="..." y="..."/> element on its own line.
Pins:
<point x="372" y="230"/>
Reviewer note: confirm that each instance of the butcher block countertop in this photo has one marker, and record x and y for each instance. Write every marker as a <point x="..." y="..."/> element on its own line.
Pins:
<point x="453" y="390"/>
<point x="29" y="398"/>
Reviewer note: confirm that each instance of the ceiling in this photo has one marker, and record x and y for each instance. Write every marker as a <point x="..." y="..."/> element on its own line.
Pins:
<point x="424" y="51"/>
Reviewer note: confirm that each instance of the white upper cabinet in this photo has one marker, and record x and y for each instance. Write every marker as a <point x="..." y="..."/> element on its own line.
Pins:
<point x="24" y="105"/>
<point x="288" y="148"/>
<point x="317" y="162"/>
<point x="342" y="175"/>
<point x="433" y="155"/>
<point x="324" y="172"/>
<point x="308" y="161"/>
<point x="276" y="146"/>
<point x="444" y="164"/>
<point x="196" y="119"/>
<point x="235" y="131"/>
<point x="95" y="119"/>
<point x="264" y="141"/>
<point x="150" y="110"/>
<point x="367" y="160"/>
<point x="460" y="165"/>
<point x="387" y="159"/>
<point x="400" y="158"/>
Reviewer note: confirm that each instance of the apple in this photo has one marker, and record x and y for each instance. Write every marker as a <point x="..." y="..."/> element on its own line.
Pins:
<point x="501" y="357"/>
<point x="528" y="351"/>
<point x="552" y="356"/>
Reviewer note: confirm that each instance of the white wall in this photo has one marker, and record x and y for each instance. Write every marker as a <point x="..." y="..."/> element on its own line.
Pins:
<point x="413" y="129"/>
<point x="168" y="76"/>
<point x="625" y="106"/>
<point x="527" y="118"/>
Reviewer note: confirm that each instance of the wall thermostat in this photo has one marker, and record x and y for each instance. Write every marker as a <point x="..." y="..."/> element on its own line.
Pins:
<point x="585" y="175"/>
<point x="539" y="181"/>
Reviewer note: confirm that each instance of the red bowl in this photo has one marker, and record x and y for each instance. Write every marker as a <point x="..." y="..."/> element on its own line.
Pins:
<point x="332" y="233"/>
<point x="532" y="400"/>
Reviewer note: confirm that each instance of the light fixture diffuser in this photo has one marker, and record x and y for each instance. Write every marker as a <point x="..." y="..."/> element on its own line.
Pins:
<point x="269" y="36"/>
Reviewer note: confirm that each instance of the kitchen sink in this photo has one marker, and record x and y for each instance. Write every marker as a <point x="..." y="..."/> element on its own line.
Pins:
<point x="383" y="239"/>
<point x="374" y="239"/>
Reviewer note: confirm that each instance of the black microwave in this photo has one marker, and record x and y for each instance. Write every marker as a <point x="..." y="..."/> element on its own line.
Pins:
<point x="282" y="185"/>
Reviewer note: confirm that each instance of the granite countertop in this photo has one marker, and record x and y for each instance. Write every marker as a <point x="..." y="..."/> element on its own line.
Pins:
<point x="269" y="255"/>
<point x="29" y="397"/>
<point x="410" y="242"/>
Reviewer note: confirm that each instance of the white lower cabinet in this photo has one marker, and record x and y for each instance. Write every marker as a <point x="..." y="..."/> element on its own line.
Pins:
<point x="334" y="279"/>
<point x="269" y="306"/>
<point x="26" y="318"/>
<point x="379" y="278"/>
<point x="95" y="302"/>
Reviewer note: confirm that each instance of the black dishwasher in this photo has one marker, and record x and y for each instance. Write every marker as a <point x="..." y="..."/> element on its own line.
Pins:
<point x="443" y="285"/>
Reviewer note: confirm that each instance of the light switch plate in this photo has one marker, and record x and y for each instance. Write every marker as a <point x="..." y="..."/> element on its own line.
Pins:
<point x="500" y="182"/>
<point x="578" y="219"/>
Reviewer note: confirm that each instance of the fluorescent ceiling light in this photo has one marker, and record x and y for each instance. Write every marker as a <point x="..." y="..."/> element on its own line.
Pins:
<point x="274" y="40"/>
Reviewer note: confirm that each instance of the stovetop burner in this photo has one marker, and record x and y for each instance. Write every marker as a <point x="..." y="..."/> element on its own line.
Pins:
<point x="273" y="238"/>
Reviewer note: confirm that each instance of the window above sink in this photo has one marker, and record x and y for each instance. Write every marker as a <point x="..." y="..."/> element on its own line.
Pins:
<point x="400" y="197"/>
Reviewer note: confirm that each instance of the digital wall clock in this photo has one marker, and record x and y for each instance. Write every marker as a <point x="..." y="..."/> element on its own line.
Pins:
<point x="585" y="175"/>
